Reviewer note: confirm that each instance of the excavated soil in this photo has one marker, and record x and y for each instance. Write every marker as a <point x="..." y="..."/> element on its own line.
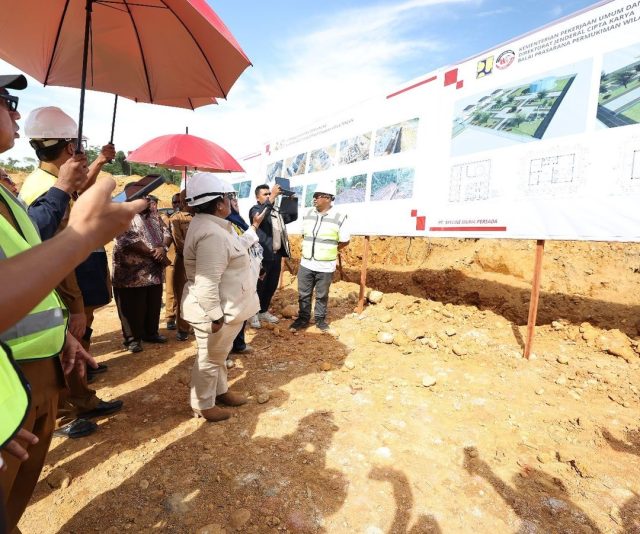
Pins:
<point x="418" y="415"/>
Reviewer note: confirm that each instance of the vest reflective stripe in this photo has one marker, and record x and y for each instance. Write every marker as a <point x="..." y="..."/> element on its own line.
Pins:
<point x="33" y="323"/>
<point x="42" y="332"/>
<point x="318" y="240"/>
<point x="14" y="397"/>
<point x="321" y="235"/>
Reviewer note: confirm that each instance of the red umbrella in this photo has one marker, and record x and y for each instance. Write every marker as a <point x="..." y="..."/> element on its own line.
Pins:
<point x="174" y="52"/>
<point x="185" y="151"/>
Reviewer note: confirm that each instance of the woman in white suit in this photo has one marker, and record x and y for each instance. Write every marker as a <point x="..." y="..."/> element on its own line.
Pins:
<point x="220" y="293"/>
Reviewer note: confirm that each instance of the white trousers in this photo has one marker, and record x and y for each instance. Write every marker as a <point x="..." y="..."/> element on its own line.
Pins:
<point x="209" y="373"/>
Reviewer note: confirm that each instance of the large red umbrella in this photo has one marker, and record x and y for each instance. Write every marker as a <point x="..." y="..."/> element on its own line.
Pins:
<point x="182" y="151"/>
<point x="173" y="52"/>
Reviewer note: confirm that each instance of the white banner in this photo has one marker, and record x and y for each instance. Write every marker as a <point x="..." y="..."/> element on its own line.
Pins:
<point x="538" y="138"/>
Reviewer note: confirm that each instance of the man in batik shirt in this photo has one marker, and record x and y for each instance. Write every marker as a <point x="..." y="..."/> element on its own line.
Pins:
<point x="139" y="260"/>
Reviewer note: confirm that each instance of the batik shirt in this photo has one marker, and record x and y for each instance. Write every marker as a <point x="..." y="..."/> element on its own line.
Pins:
<point x="132" y="268"/>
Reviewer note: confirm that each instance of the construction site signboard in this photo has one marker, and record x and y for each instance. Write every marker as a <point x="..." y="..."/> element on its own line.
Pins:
<point x="538" y="138"/>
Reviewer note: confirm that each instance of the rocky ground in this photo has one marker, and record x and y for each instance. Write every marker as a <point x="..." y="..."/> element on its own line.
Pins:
<point x="417" y="415"/>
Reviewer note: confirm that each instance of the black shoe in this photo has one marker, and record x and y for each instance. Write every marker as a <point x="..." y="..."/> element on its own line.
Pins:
<point x="171" y="325"/>
<point x="298" y="324"/>
<point x="102" y="368"/>
<point x="103" y="408"/>
<point x="182" y="335"/>
<point x="79" y="428"/>
<point x="134" y="346"/>
<point x="158" y="338"/>
<point x="321" y="324"/>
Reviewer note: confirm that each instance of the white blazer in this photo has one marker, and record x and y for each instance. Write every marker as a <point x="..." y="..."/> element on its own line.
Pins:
<point x="220" y="282"/>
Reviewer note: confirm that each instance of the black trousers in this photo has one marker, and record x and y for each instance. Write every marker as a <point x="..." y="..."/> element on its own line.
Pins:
<point x="307" y="281"/>
<point x="239" y="343"/>
<point x="139" y="311"/>
<point x="268" y="285"/>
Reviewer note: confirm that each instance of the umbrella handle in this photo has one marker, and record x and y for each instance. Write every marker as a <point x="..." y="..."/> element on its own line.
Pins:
<point x="83" y="87"/>
<point x="113" y="120"/>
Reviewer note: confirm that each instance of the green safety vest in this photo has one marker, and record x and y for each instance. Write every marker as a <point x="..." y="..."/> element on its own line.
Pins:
<point x="41" y="334"/>
<point x="14" y="396"/>
<point x="321" y="234"/>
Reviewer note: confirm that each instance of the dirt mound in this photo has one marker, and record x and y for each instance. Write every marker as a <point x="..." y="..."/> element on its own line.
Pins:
<point x="164" y="192"/>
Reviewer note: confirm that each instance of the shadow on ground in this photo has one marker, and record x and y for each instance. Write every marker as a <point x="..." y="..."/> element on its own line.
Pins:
<point x="214" y="473"/>
<point x="540" y="500"/>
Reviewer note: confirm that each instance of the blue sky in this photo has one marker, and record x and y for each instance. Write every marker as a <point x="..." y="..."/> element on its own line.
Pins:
<point x="310" y="58"/>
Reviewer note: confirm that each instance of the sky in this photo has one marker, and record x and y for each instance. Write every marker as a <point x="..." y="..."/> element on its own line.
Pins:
<point x="310" y="58"/>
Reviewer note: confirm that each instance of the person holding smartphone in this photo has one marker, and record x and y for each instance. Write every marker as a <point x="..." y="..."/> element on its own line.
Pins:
<point x="273" y="237"/>
<point x="41" y="349"/>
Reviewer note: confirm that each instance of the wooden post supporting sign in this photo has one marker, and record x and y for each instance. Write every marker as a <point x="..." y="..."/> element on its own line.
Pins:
<point x="535" y="296"/>
<point x="363" y="274"/>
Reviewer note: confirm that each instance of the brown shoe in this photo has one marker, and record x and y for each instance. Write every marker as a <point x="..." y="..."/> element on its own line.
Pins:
<point x="231" y="399"/>
<point x="214" y="414"/>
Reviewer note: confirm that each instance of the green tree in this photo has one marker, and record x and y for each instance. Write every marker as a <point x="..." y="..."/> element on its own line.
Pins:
<point x="623" y="77"/>
<point x="120" y="166"/>
<point x="518" y="119"/>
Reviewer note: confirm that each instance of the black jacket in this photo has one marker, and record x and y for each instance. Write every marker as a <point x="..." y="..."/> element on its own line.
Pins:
<point x="265" y="231"/>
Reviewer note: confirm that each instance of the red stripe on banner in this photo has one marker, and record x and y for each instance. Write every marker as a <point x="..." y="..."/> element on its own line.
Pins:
<point x="468" y="229"/>
<point x="412" y="86"/>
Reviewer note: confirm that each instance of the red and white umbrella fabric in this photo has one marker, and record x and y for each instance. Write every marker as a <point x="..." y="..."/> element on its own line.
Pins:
<point x="172" y="52"/>
<point x="185" y="151"/>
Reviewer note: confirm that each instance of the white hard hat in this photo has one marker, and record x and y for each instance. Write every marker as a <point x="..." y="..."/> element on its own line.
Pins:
<point x="205" y="186"/>
<point x="327" y="187"/>
<point x="50" y="123"/>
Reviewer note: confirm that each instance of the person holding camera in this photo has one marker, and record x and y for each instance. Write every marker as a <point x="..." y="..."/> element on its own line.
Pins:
<point x="273" y="238"/>
<point x="324" y="233"/>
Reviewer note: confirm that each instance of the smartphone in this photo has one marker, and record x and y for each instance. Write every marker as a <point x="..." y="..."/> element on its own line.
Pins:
<point x="141" y="189"/>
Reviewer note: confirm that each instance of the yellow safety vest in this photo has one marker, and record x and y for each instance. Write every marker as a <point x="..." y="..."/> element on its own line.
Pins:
<point x="321" y="234"/>
<point x="36" y="185"/>
<point x="14" y="396"/>
<point x="41" y="334"/>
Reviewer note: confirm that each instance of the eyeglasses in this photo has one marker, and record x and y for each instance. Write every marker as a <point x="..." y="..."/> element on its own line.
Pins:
<point x="321" y="195"/>
<point x="11" y="101"/>
<point x="83" y="143"/>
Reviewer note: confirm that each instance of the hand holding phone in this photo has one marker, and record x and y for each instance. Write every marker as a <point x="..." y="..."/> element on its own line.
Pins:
<point x="139" y="189"/>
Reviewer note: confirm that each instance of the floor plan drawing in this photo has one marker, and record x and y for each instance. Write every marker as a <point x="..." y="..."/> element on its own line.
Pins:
<point x="470" y="181"/>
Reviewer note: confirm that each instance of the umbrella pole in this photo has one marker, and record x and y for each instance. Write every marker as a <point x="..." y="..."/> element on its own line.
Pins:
<point x="83" y="87"/>
<point x="113" y="121"/>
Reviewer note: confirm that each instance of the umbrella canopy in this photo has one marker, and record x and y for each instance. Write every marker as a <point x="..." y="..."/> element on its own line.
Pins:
<point x="185" y="151"/>
<point x="173" y="52"/>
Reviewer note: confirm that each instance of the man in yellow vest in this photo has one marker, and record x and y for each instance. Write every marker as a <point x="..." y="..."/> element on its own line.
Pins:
<point x="53" y="135"/>
<point x="37" y="337"/>
<point x="324" y="233"/>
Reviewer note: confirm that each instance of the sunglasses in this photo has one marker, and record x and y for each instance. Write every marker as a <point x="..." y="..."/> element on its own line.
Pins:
<point x="231" y="196"/>
<point x="11" y="102"/>
<point x="321" y="195"/>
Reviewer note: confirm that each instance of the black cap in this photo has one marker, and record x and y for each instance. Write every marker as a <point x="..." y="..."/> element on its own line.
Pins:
<point x="13" y="81"/>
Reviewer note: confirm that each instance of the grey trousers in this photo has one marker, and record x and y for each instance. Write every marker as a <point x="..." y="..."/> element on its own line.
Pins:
<point x="307" y="281"/>
<point x="209" y="373"/>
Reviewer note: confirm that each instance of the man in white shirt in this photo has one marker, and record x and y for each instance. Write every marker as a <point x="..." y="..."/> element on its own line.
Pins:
<point x="324" y="232"/>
